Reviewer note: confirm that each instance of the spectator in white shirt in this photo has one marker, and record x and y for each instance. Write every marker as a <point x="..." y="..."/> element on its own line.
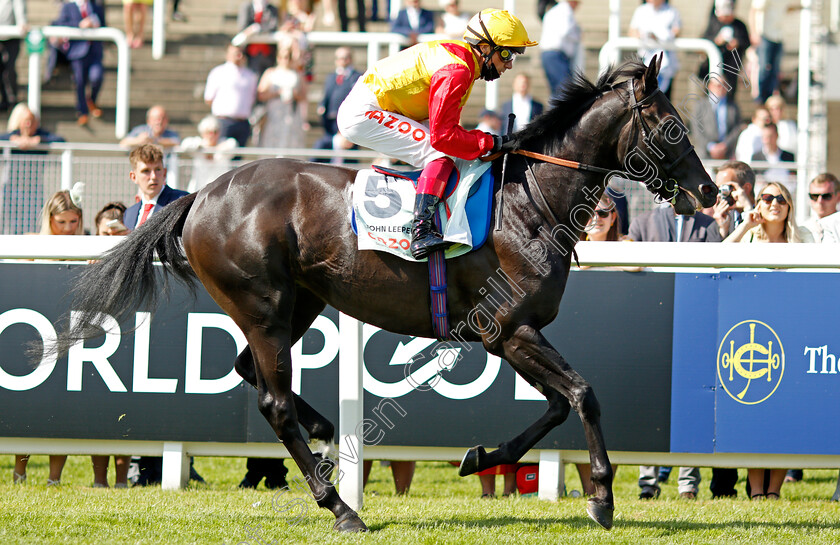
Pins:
<point x="211" y="154"/>
<point x="773" y="154"/>
<point x="749" y="141"/>
<point x="559" y="43"/>
<point x="657" y="22"/>
<point x="830" y="227"/>
<point x="453" y="21"/>
<point x="231" y="91"/>
<point x="787" y="127"/>
<point x="824" y="196"/>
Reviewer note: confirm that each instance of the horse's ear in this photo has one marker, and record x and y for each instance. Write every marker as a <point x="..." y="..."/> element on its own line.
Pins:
<point x="651" y="73"/>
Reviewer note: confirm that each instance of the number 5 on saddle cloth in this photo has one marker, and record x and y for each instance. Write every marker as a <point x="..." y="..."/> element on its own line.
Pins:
<point x="383" y="208"/>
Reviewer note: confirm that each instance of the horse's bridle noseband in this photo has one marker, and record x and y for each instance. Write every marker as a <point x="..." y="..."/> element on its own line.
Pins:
<point x="637" y="106"/>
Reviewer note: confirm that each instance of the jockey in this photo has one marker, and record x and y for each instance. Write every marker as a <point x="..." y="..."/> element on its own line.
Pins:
<point x="408" y="106"/>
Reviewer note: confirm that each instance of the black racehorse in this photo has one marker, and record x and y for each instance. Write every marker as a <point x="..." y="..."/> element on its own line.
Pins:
<point x="272" y="244"/>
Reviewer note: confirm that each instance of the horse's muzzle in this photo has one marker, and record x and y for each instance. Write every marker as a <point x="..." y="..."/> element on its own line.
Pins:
<point x="708" y="194"/>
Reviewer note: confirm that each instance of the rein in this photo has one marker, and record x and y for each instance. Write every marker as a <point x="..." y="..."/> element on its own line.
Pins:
<point x="562" y="162"/>
<point x="636" y="106"/>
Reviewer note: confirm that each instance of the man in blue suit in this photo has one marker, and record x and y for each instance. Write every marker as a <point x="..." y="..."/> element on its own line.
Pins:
<point x="148" y="172"/>
<point x="85" y="57"/>
<point x="521" y="104"/>
<point x="413" y="21"/>
<point x="336" y="89"/>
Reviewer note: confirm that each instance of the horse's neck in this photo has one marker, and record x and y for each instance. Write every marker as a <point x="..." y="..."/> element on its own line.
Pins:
<point x="574" y="192"/>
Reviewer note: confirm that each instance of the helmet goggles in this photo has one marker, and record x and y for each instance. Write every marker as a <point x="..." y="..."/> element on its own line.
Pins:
<point x="508" y="54"/>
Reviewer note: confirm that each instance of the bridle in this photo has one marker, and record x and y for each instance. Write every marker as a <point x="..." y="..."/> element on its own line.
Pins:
<point x="636" y="106"/>
<point x="671" y="187"/>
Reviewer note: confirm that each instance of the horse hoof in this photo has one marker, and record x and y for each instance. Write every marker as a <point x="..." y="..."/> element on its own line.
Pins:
<point x="600" y="513"/>
<point x="472" y="460"/>
<point x="349" y="522"/>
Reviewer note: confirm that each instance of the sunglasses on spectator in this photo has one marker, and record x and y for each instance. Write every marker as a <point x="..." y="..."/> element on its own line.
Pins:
<point x="768" y="199"/>
<point x="603" y="213"/>
<point x="825" y="196"/>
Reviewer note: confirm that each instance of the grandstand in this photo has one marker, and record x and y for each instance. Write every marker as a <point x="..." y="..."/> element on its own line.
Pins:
<point x="194" y="47"/>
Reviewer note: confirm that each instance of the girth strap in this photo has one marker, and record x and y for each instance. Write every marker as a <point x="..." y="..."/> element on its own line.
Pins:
<point x="437" y="286"/>
<point x="543" y="204"/>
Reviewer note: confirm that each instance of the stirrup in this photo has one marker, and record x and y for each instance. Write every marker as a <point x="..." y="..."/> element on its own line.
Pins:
<point x="18" y="478"/>
<point x="423" y="247"/>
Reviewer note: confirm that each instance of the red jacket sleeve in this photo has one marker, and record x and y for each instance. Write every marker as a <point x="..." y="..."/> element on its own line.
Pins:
<point x="448" y="87"/>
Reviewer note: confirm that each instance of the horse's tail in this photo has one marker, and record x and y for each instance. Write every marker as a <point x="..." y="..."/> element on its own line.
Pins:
<point x="124" y="279"/>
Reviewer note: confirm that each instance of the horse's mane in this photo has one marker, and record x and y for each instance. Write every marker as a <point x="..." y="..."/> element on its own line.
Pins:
<point x="575" y="94"/>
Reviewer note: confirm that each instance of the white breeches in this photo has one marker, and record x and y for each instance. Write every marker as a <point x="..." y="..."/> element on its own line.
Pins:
<point x="362" y="121"/>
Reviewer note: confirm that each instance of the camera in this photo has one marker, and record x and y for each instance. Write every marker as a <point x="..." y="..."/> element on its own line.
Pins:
<point x="726" y="194"/>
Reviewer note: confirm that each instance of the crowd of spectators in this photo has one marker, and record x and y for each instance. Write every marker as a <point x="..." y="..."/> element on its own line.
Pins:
<point x="249" y="106"/>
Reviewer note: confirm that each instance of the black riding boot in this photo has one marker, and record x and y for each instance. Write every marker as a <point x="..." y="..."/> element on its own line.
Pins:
<point x="424" y="237"/>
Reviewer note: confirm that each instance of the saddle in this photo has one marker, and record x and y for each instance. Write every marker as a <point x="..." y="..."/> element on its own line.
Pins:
<point x="383" y="208"/>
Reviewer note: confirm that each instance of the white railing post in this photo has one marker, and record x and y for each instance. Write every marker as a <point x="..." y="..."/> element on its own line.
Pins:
<point x="173" y="170"/>
<point x="552" y="475"/>
<point x="350" y="411"/>
<point x="158" y="29"/>
<point x="123" y="86"/>
<point x="373" y="52"/>
<point x="803" y="114"/>
<point x="34" y="86"/>
<point x="176" y="466"/>
<point x="67" y="169"/>
<point x="614" y="24"/>
<point x="123" y="65"/>
<point x="609" y="53"/>
<point x="491" y="96"/>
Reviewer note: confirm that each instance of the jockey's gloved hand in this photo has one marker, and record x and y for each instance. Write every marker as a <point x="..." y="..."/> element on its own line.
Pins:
<point x="502" y="144"/>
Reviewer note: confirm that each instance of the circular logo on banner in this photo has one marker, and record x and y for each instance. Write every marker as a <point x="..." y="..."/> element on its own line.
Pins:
<point x="750" y="362"/>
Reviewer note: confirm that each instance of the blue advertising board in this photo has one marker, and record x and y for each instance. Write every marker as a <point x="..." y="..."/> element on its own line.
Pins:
<point x="755" y="363"/>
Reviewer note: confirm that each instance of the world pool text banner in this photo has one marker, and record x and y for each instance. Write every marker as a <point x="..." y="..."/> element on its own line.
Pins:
<point x="170" y="375"/>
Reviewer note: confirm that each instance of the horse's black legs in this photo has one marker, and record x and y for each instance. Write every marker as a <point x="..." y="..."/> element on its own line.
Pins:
<point x="477" y="459"/>
<point x="272" y="352"/>
<point x="245" y="366"/>
<point x="269" y="361"/>
<point x="315" y="424"/>
<point x="307" y="308"/>
<point x="531" y="355"/>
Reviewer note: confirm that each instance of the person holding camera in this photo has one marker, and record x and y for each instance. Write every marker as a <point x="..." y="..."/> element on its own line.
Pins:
<point x="736" y="182"/>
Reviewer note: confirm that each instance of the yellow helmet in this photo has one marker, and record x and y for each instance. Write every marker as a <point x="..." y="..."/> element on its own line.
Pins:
<point x="498" y="28"/>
